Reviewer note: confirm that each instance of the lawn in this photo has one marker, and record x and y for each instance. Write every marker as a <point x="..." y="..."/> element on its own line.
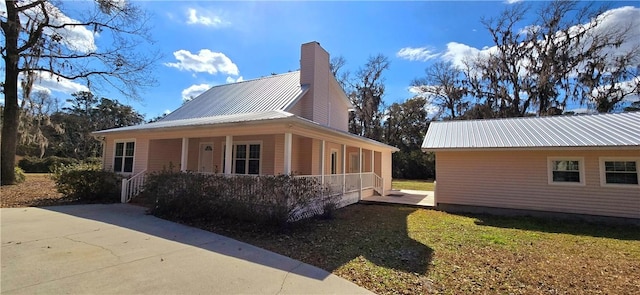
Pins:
<point x="406" y="250"/>
<point x="421" y="185"/>
<point x="403" y="250"/>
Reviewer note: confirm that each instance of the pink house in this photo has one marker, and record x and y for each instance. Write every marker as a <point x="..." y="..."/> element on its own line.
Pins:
<point x="292" y="123"/>
<point x="587" y="165"/>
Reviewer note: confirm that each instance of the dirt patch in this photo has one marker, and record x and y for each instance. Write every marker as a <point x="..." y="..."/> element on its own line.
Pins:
<point x="37" y="190"/>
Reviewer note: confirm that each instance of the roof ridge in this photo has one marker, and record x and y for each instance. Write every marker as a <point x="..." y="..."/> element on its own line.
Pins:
<point x="540" y="117"/>
<point x="256" y="79"/>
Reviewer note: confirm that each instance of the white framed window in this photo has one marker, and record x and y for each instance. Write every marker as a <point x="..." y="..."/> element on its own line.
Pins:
<point x="566" y="170"/>
<point x="334" y="161"/>
<point x="619" y="171"/>
<point x="123" y="157"/>
<point x="246" y="158"/>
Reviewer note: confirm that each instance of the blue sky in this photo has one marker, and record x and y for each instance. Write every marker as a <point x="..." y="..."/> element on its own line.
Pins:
<point x="207" y="43"/>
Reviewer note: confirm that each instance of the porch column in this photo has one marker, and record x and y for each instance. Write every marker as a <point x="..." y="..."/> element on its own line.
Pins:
<point x="360" y="172"/>
<point x="228" y="150"/>
<point x="185" y="154"/>
<point x="322" y="156"/>
<point x="287" y="153"/>
<point x="344" y="166"/>
<point x="373" y="162"/>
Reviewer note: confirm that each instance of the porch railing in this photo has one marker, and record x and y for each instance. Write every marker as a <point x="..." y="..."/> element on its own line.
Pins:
<point x="132" y="186"/>
<point x="350" y="182"/>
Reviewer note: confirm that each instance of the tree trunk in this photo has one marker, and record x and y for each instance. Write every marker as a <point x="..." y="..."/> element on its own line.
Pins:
<point x="11" y="113"/>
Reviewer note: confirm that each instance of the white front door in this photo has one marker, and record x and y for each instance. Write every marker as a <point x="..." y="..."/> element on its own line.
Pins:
<point x="206" y="157"/>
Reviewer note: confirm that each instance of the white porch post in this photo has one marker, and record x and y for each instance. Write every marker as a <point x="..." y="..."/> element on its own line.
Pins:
<point x="344" y="170"/>
<point x="372" y="161"/>
<point x="322" y="148"/>
<point x="228" y="150"/>
<point x="185" y="153"/>
<point x="360" y="172"/>
<point x="287" y="153"/>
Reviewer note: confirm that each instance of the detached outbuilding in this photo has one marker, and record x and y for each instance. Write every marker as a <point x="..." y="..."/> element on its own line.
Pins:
<point x="587" y="164"/>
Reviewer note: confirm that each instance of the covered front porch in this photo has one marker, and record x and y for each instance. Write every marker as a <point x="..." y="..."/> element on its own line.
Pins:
<point x="352" y="166"/>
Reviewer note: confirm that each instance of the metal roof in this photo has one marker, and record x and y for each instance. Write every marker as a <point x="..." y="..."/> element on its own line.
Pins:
<point x="259" y="117"/>
<point x="204" y="121"/>
<point x="603" y="130"/>
<point x="276" y="92"/>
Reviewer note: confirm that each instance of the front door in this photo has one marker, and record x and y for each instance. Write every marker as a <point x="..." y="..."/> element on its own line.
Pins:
<point x="206" y="157"/>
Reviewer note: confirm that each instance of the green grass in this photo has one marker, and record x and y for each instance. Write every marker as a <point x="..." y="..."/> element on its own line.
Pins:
<point x="403" y="250"/>
<point x="421" y="185"/>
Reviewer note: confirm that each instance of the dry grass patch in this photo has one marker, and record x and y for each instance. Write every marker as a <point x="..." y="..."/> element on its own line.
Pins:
<point x="37" y="190"/>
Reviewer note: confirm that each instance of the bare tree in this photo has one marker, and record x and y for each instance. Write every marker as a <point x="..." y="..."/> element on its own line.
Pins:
<point x="444" y="86"/>
<point x="368" y="89"/>
<point x="40" y="43"/>
<point x="566" y="55"/>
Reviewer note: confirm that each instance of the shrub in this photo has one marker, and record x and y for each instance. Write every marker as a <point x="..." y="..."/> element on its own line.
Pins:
<point x="87" y="182"/>
<point x="44" y="165"/>
<point x="20" y="177"/>
<point x="274" y="200"/>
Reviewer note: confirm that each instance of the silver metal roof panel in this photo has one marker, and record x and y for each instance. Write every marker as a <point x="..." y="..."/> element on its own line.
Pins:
<point x="270" y="93"/>
<point x="203" y="121"/>
<point x="603" y="130"/>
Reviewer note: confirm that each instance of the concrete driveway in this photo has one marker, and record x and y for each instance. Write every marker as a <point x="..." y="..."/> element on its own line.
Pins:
<point x="118" y="249"/>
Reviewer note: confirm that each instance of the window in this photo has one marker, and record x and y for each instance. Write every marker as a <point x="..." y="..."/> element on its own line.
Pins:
<point x="619" y="171"/>
<point x="246" y="158"/>
<point x="566" y="171"/>
<point x="334" y="162"/>
<point x="123" y="159"/>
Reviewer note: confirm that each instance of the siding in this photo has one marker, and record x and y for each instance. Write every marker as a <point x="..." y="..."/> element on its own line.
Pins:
<point x="278" y="154"/>
<point x="314" y="71"/>
<point x="339" y="110"/>
<point x="386" y="171"/>
<point x="302" y="155"/>
<point x="519" y="180"/>
<point x="164" y="153"/>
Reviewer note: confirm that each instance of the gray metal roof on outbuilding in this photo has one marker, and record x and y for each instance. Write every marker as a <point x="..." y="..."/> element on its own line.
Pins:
<point x="277" y="92"/>
<point x="602" y="130"/>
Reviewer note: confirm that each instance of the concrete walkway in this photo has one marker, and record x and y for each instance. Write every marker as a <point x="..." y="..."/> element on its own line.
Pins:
<point x="405" y="197"/>
<point x="117" y="249"/>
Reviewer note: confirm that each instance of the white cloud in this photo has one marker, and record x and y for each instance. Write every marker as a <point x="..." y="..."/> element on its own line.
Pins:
<point x="76" y="38"/>
<point x="512" y="1"/>
<point x="232" y="80"/>
<point x="416" y="54"/>
<point x="166" y="112"/>
<point x="193" y="91"/>
<point x="628" y="88"/>
<point x="205" y="61"/>
<point x="614" y="19"/>
<point x="47" y="82"/>
<point x="206" y="18"/>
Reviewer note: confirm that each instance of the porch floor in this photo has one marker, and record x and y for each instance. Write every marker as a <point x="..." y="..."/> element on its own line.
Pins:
<point x="405" y="197"/>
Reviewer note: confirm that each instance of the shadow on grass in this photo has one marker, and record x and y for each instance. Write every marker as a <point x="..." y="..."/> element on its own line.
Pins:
<point x="563" y="226"/>
<point x="358" y="233"/>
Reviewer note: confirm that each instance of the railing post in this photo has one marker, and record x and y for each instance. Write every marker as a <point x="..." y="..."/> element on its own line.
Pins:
<point x="124" y="191"/>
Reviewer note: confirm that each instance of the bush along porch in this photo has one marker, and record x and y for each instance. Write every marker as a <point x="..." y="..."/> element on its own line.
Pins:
<point x="266" y="199"/>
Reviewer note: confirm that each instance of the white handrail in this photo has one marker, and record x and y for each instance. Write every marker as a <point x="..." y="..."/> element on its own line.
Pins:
<point x="350" y="182"/>
<point x="132" y="186"/>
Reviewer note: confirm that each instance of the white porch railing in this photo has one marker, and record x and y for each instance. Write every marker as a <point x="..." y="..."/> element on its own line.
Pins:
<point x="132" y="186"/>
<point x="350" y="182"/>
